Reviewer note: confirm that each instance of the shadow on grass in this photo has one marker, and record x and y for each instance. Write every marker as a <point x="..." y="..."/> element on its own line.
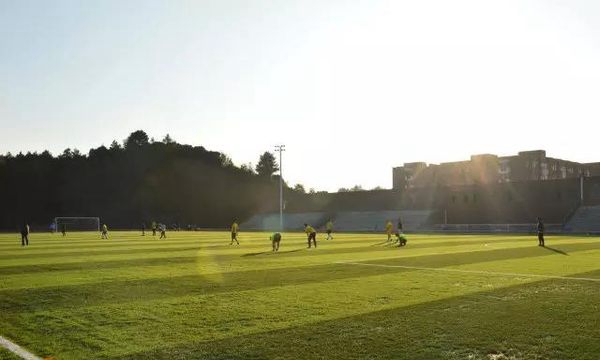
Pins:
<point x="558" y="251"/>
<point x="473" y="324"/>
<point x="111" y="264"/>
<point x="123" y="291"/>
<point x="271" y="252"/>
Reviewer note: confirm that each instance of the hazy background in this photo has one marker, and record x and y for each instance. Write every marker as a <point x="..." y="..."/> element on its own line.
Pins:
<point x="352" y="88"/>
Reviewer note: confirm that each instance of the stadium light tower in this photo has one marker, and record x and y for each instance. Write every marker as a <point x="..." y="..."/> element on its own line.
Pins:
<point x="280" y="149"/>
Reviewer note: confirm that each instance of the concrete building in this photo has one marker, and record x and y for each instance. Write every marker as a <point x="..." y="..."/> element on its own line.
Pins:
<point x="490" y="169"/>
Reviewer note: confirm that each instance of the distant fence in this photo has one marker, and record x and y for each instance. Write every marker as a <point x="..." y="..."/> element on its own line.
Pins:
<point x="495" y="228"/>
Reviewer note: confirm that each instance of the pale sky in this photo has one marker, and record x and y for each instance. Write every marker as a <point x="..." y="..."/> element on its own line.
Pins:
<point x="352" y="88"/>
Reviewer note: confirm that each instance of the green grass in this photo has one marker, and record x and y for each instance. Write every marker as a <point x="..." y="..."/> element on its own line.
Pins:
<point x="193" y="296"/>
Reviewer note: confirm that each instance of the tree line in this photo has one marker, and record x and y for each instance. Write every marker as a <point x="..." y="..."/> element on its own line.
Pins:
<point x="139" y="181"/>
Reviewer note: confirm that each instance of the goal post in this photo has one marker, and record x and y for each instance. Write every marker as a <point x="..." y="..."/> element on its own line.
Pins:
<point x="77" y="223"/>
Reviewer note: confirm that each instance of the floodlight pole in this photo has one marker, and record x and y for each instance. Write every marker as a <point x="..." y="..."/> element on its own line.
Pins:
<point x="280" y="149"/>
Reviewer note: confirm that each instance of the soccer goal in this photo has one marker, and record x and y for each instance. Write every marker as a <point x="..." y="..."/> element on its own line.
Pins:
<point x="77" y="223"/>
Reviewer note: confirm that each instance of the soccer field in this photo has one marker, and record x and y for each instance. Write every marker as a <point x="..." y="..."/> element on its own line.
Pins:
<point x="193" y="296"/>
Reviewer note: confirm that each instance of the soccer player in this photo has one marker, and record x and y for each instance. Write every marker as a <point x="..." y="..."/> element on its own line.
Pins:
<point x="63" y="229"/>
<point x="329" y="227"/>
<point x="143" y="229"/>
<point x="163" y="231"/>
<point x="104" y="232"/>
<point x="312" y="235"/>
<point x="154" y="228"/>
<point x="389" y="228"/>
<point x="275" y="240"/>
<point x="399" y="225"/>
<point x="25" y="235"/>
<point x="400" y="238"/>
<point x="540" y="232"/>
<point x="234" y="232"/>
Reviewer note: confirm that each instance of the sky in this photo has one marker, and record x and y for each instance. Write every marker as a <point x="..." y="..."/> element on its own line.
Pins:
<point x="352" y="88"/>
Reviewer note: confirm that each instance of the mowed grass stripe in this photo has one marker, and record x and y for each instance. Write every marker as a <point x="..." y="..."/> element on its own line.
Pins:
<point x="232" y="257"/>
<point x="202" y="261"/>
<point x="32" y="252"/>
<point x="250" y="295"/>
<point x="264" y="244"/>
<point x="178" y="283"/>
<point x="220" y="238"/>
<point x="221" y="316"/>
<point x="529" y="321"/>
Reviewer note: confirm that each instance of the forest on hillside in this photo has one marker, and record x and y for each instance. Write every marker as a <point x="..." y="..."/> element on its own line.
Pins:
<point x="139" y="181"/>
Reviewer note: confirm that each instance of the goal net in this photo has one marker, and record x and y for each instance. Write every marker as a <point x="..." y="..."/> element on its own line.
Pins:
<point x="76" y="223"/>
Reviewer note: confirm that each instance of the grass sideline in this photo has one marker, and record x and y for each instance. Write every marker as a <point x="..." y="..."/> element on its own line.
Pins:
<point x="193" y="296"/>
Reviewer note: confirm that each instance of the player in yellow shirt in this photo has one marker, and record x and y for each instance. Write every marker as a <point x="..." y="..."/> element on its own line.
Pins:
<point x="329" y="227"/>
<point x="389" y="229"/>
<point x="312" y="235"/>
<point x="234" y="232"/>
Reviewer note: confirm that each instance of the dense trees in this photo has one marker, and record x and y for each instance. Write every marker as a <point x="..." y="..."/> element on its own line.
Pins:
<point x="267" y="165"/>
<point x="140" y="181"/>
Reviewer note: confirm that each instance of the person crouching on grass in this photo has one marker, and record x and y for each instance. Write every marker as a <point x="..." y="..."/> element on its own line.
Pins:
<point x="400" y="238"/>
<point x="312" y="235"/>
<point x="275" y="240"/>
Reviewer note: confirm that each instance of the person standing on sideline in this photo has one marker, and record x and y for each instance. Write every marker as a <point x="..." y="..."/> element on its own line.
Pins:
<point x="25" y="235"/>
<point x="329" y="227"/>
<point x="389" y="229"/>
<point x="234" y="232"/>
<point x="540" y="232"/>
<point x="104" y="232"/>
<point x="312" y="235"/>
<point x="275" y="240"/>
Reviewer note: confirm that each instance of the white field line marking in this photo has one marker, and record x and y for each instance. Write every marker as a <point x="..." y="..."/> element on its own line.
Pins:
<point x="480" y="272"/>
<point x="12" y="347"/>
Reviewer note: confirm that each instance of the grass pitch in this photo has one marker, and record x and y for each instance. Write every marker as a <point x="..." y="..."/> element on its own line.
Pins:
<point x="193" y="296"/>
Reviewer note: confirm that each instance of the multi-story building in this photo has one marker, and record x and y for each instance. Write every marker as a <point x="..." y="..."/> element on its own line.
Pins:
<point x="488" y="168"/>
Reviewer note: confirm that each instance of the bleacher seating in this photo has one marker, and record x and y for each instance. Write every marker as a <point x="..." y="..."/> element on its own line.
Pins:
<point x="412" y="220"/>
<point x="292" y="221"/>
<point x="585" y="220"/>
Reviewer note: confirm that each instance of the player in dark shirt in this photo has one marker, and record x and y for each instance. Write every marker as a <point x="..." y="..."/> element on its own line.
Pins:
<point x="540" y="232"/>
<point x="25" y="235"/>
